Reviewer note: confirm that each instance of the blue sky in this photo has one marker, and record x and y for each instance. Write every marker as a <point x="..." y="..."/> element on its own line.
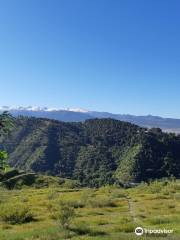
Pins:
<point x="121" y="56"/>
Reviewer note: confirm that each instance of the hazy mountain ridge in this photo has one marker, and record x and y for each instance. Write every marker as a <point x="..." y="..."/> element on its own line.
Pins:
<point x="78" y="115"/>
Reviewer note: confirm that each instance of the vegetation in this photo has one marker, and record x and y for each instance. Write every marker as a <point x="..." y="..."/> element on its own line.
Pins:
<point x="6" y="123"/>
<point x="48" y="198"/>
<point x="96" y="152"/>
<point x="3" y="161"/>
<point x="65" y="215"/>
<point x="15" y="213"/>
<point x="58" y="213"/>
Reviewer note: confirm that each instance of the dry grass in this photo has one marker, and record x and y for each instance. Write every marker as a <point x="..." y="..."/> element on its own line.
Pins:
<point x="99" y="214"/>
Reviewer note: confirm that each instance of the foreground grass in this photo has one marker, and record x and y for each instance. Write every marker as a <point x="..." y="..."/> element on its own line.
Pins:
<point x="106" y="213"/>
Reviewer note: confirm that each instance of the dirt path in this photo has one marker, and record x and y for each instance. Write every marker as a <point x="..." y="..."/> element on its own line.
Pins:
<point x="131" y="209"/>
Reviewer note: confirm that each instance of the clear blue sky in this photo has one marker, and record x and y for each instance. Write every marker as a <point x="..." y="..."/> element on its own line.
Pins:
<point x="121" y="56"/>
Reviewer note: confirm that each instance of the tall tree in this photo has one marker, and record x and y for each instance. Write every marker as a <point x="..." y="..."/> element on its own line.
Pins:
<point x="6" y="122"/>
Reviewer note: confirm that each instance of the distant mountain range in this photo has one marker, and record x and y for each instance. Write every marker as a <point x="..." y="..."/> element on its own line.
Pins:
<point x="79" y="115"/>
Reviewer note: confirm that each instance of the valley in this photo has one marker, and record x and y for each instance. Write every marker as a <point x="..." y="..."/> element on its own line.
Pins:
<point x="95" y="152"/>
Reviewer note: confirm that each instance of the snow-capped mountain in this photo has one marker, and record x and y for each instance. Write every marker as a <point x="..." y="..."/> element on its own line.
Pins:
<point x="42" y="109"/>
<point x="78" y="114"/>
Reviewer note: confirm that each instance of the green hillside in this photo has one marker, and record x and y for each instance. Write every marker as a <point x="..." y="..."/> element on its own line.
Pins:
<point x="95" y="152"/>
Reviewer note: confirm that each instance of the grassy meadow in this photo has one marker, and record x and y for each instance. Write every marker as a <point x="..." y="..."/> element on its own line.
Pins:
<point x="106" y="213"/>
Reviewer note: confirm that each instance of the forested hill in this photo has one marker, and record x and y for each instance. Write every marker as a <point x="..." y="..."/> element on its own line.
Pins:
<point x="95" y="152"/>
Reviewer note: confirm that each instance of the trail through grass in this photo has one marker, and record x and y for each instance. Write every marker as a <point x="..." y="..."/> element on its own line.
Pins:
<point x="105" y="213"/>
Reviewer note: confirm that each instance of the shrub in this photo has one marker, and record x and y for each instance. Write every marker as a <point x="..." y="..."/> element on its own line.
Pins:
<point x="65" y="215"/>
<point x="125" y="228"/>
<point x="142" y="187"/>
<point x="156" y="186"/>
<point x="76" y="204"/>
<point x="159" y="220"/>
<point x="171" y="206"/>
<point x="52" y="194"/>
<point x="16" y="214"/>
<point x="161" y="196"/>
<point x="71" y="184"/>
<point x="86" y="195"/>
<point x="102" y="202"/>
<point x="83" y="229"/>
<point x="125" y="220"/>
<point x="118" y="193"/>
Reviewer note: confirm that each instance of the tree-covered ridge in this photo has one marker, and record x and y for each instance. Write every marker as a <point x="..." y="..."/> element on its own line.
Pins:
<point x="95" y="152"/>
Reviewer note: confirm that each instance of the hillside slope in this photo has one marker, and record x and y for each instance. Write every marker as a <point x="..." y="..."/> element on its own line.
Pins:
<point x="95" y="152"/>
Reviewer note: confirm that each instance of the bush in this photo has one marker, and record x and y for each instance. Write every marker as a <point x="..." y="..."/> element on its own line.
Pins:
<point x="83" y="229"/>
<point x="16" y="214"/>
<point x="86" y="195"/>
<point x="102" y="202"/>
<point x="71" y="184"/>
<point x="171" y="206"/>
<point x="156" y="186"/>
<point x="125" y="228"/>
<point x="76" y="204"/>
<point x="52" y="194"/>
<point x="118" y="193"/>
<point x="65" y="215"/>
<point x="159" y="220"/>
